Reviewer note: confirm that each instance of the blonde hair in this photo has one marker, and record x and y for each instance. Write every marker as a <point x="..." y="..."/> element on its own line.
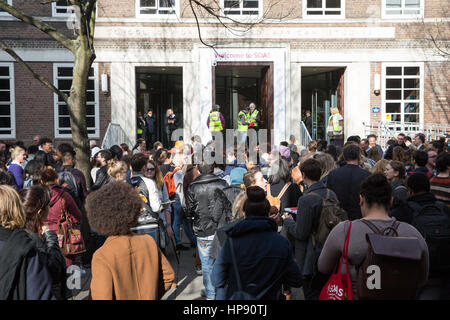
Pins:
<point x="178" y="160"/>
<point x="15" y="151"/>
<point x="116" y="167"/>
<point x="12" y="213"/>
<point x="380" y="166"/>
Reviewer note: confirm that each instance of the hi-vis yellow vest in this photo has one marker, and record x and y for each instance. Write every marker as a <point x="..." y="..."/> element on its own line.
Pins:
<point x="253" y="116"/>
<point x="241" y="126"/>
<point x="214" y="121"/>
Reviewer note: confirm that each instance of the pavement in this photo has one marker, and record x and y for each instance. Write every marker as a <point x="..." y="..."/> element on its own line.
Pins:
<point x="189" y="284"/>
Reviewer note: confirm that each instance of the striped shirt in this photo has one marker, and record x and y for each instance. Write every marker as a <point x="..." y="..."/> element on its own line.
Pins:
<point x="440" y="187"/>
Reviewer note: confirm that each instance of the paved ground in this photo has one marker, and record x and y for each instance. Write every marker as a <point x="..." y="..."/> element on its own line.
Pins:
<point x="189" y="283"/>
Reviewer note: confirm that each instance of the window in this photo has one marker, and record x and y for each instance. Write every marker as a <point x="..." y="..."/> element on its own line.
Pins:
<point x="323" y="9"/>
<point x="4" y="13"/>
<point x="7" y="105"/>
<point x="402" y="8"/>
<point x="403" y="94"/>
<point x="157" y="7"/>
<point x="241" y="7"/>
<point x="63" y="74"/>
<point x="62" y="8"/>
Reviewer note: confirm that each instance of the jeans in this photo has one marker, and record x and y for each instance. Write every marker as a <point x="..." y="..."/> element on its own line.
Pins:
<point x="153" y="232"/>
<point x="177" y="221"/>
<point x="204" y="249"/>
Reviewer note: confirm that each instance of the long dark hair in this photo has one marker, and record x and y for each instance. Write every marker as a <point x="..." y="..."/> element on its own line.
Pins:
<point x="35" y="198"/>
<point x="280" y="172"/>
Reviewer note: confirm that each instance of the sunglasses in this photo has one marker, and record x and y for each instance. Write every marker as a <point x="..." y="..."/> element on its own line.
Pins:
<point x="150" y="169"/>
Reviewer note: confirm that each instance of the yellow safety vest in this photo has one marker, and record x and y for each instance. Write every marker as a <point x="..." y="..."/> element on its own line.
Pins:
<point x="241" y="126"/>
<point x="337" y="128"/>
<point x="214" y="121"/>
<point x="253" y="116"/>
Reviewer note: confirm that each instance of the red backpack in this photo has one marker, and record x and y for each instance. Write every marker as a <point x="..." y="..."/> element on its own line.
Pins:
<point x="170" y="183"/>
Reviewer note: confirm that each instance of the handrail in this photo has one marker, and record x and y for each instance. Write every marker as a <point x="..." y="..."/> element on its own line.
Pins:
<point x="115" y="135"/>
<point x="305" y="137"/>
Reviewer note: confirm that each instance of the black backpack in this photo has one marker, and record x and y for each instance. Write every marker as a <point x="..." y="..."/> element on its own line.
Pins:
<point x="433" y="223"/>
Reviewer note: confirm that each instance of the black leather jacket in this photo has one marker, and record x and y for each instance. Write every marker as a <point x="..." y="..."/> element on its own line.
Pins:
<point x="101" y="178"/>
<point x="205" y="205"/>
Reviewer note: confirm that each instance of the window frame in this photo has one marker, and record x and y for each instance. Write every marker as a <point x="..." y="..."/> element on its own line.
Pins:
<point x="402" y="101"/>
<point x="4" y="13"/>
<point x="94" y="135"/>
<point x="321" y="17"/>
<point x="384" y="10"/>
<point x="56" y="14"/>
<point x="158" y="16"/>
<point x="12" y="101"/>
<point x="240" y="16"/>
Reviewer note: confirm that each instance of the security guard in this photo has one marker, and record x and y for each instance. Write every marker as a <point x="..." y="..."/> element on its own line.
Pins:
<point x="216" y="122"/>
<point x="243" y="122"/>
<point x="255" y="119"/>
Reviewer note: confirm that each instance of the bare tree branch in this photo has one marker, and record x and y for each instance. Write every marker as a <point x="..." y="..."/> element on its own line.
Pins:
<point x="42" y="79"/>
<point x="52" y="32"/>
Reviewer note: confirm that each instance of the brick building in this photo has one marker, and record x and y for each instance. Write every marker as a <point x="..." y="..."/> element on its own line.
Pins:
<point x="369" y="58"/>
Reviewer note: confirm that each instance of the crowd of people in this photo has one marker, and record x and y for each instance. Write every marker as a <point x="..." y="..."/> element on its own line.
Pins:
<point x="257" y="220"/>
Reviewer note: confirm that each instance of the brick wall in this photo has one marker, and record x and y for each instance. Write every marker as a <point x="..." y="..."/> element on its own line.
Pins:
<point x="436" y="92"/>
<point x="375" y="100"/>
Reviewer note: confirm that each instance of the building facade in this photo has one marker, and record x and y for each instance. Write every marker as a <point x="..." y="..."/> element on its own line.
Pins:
<point x="371" y="59"/>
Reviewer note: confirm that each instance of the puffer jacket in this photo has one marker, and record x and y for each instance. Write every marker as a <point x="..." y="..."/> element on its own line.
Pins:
<point x="203" y="205"/>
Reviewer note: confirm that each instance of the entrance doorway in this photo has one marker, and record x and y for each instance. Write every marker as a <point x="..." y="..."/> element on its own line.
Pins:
<point x="322" y="89"/>
<point x="160" y="88"/>
<point x="236" y="85"/>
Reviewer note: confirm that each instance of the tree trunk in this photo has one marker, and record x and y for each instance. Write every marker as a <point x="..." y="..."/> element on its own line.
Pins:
<point x="77" y="105"/>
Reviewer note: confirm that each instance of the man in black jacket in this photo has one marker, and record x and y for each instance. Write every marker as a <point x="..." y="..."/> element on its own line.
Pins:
<point x="150" y="127"/>
<point x="346" y="181"/>
<point x="207" y="209"/>
<point x="400" y="142"/>
<point x="307" y="222"/>
<point x="102" y="176"/>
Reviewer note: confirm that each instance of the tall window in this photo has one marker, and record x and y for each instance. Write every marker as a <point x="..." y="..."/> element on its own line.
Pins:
<point x="242" y="7"/>
<point x="63" y="75"/>
<point x="324" y="9"/>
<point x="402" y="8"/>
<point x="61" y="8"/>
<point x="7" y="105"/>
<point x="8" y="2"/>
<point x="157" y="7"/>
<point x="403" y="94"/>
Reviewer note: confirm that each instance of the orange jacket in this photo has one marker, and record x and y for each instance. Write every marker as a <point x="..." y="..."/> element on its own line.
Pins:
<point x="128" y="268"/>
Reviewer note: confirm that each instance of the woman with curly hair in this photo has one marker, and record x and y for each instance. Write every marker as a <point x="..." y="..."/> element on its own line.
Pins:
<point x="128" y="266"/>
<point x="36" y="202"/>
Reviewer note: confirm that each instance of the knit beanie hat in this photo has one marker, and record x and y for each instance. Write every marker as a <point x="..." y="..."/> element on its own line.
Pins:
<point x="237" y="176"/>
<point x="285" y="151"/>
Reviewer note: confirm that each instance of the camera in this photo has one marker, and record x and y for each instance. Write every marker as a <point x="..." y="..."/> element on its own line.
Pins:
<point x="214" y="63"/>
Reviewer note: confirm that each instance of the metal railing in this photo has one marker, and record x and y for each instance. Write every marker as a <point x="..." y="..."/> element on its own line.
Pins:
<point x="115" y="135"/>
<point x="305" y="137"/>
<point x="386" y="130"/>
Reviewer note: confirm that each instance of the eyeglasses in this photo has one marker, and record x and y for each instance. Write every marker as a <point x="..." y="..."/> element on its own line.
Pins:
<point x="150" y="169"/>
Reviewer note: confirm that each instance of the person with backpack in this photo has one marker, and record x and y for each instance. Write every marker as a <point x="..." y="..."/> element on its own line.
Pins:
<point x="174" y="183"/>
<point x="432" y="219"/>
<point x="305" y="229"/>
<point x="386" y="259"/>
<point x="71" y="179"/>
<point x="255" y="260"/>
<point x="281" y="191"/>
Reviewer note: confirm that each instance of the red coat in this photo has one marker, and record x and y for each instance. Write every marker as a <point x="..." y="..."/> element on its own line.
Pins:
<point x="55" y="208"/>
<point x="58" y="194"/>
